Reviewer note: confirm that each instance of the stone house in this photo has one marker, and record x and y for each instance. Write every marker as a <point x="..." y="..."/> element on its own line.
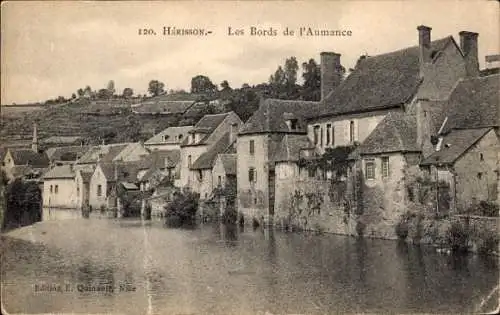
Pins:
<point x="468" y="161"/>
<point x="467" y="144"/>
<point x="104" y="180"/>
<point x="258" y="140"/>
<point x="59" y="189"/>
<point x="205" y="134"/>
<point x="24" y="163"/>
<point x="100" y="153"/>
<point x="135" y="151"/>
<point x="202" y="168"/>
<point x="224" y="170"/>
<point x="168" y="139"/>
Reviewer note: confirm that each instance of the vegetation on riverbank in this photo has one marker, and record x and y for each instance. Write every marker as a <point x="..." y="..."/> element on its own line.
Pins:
<point x="182" y="209"/>
<point x="23" y="204"/>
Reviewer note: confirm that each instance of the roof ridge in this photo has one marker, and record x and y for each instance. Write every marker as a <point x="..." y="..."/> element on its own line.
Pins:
<point x="449" y="37"/>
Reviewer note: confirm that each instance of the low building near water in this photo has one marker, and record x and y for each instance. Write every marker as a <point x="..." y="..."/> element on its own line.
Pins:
<point x="59" y="187"/>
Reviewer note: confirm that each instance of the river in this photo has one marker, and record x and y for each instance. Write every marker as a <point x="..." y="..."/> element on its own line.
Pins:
<point x="129" y="266"/>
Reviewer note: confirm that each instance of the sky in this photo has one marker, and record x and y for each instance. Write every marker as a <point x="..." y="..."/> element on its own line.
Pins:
<point x="53" y="48"/>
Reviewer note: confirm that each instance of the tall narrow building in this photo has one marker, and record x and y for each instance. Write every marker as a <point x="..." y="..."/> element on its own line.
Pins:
<point x="34" y="143"/>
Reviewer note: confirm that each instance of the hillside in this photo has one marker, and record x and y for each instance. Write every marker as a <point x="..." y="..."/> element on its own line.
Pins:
<point x="94" y="120"/>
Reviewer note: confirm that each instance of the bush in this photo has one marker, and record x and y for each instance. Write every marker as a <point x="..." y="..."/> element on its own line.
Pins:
<point x="458" y="236"/>
<point x="182" y="209"/>
<point x="23" y="204"/>
<point x="484" y="208"/>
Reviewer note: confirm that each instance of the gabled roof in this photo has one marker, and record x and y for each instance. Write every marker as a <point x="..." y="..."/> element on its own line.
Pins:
<point x="176" y="103"/>
<point x="454" y="145"/>
<point x="272" y="115"/>
<point x="474" y="103"/>
<point x="380" y="82"/>
<point x="397" y="132"/>
<point x="126" y="171"/>
<point x="104" y="153"/>
<point x="229" y="163"/>
<point x="69" y="153"/>
<point x="29" y="157"/>
<point x="170" y="135"/>
<point x="207" y="159"/>
<point x="290" y="148"/>
<point x="86" y="175"/>
<point x="206" y="125"/>
<point x="60" y="172"/>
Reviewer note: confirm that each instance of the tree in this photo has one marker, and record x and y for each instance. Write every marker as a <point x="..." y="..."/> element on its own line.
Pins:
<point x="202" y="84"/>
<point x="128" y="92"/>
<point x="291" y="68"/>
<point x="103" y="94"/>
<point x="111" y="88"/>
<point x="156" y="87"/>
<point x="73" y="96"/>
<point x="87" y="92"/>
<point x="278" y="78"/>
<point x="225" y="85"/>
<point x="311" y="73"/>
<point x="80" y="92"/>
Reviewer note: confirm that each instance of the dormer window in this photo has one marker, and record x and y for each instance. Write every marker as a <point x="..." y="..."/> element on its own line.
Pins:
<point x="293" y="124"/>
<point x="180" y="138"/>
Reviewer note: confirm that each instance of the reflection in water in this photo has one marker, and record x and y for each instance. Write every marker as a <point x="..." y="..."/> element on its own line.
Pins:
<point x="222" y="269"/>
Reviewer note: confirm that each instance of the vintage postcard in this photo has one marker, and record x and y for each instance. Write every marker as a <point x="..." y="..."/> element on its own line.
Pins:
<point x="270" y="157"/>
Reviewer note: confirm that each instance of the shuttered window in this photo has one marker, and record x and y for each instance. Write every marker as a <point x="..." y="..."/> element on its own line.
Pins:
<point x="385" y="166"/>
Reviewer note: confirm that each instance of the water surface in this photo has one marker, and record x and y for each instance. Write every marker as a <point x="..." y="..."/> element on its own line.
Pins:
<point x="128" y="266"/>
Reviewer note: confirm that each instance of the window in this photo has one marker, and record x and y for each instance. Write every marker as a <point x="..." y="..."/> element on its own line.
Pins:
<point x="293" y="124"/>
<point x="351" y="131"/>
<point x="316" y="135"/>
<point x="51" y="188"/>
<point x="385" y="166"/>
<point x="180" y="138"/>
<point x="219" y="180"/>
<point x="370" y="169"/>
<point x="78" y="189"/>
<point x="252" y="175"/>
<point x="481" y="157"/>
<point x="99" y="190"/>
<point x="328" y="134"/>
<point x="200" y="175"/>
<point x="321" y="137"/>
<point x="311" y="171"/>
<point x="251" y="147"/>
<point x="189" y="161"/>
<point x="479" y="175"/>
<point x="56" y="189"/>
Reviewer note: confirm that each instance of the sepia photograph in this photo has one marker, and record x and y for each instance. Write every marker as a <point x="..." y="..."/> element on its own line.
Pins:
<point x="250" y="157"/>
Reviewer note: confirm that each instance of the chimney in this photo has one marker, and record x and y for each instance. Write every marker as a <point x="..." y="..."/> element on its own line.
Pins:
<point x="424" y="44"/>
<point x="468" y="45"/>
<point x="331" y="74"/>
<point x="34" y="142"/>
<point x="233" y="133"/>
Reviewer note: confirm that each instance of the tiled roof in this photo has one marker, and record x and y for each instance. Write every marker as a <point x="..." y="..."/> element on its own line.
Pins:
<point x="126" y="171"/>
<point x="62" y="140"/>
<point x="29" y="157"/>
<point x="85" y="176"/>
<point x="290" y="147"/>
<point x="474" y="103"/>
<point x="454" y="145"/>
<point x="170" y="135"/>
<point x="104" y="153"/>
<point x="69" y="153"/>
<point x="60" y="172"/>
<point x="272" y="114"/>
<point x="380" y="82"/>
<point x="397" y="132"/>
<point x="229" y="163"/>
<point x="207" y="159"/>
<point x="176" y="103"/>
<point x="207" y="124"/>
